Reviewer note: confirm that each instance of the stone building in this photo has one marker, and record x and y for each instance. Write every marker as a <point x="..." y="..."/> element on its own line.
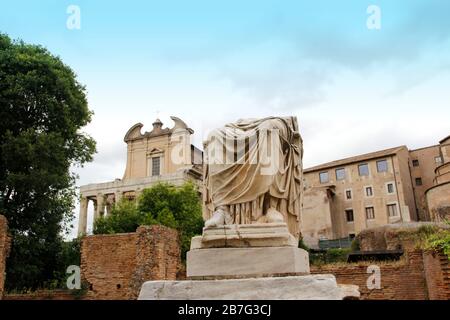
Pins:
<point x="161" y="155"/>
<point x="346" y="196"/>
<point x="438" y="196"/>
<point x="423" y="163"/>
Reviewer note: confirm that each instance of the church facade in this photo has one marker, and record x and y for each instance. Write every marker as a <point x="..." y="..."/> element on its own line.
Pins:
<point x="161" y="155"/>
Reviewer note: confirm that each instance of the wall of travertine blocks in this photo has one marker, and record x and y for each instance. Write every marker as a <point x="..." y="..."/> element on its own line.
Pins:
<point x="4" y="250"/>
<point x="419" y="276"/>
<point x="116" y="266"/>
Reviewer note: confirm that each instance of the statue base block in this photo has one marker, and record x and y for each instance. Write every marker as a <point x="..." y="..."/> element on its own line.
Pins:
<point x="308" y="287"/>
<point x="219" y="263"/>
<point x="248" y="262"/>
<point x="244" y="236"/>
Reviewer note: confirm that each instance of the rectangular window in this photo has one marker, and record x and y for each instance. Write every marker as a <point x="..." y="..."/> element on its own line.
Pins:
<point x="156" y="166"/>
<point x="419" y="181"/>
<point x="369" y="191"/>
<point x="370" y="213"/>
<point x="392" y="210"/>
<point x="363" y="169"/>
<point x="415" y="163"/>
<point x="323" y="176"/>
<point x="382" y="166"/>
<point x="340" y="174"/>
<point x="438" y="160"/>
<point x="349" y="215"/>
<point x="348" y="194"/>
<point x="390" y="188"/>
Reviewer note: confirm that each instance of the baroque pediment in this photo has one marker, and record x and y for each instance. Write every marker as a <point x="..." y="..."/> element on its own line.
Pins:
<point x="135" y="132"/>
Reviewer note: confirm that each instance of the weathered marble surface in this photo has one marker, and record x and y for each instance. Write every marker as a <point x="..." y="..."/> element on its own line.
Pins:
<point x="246" y="261"/>
<point x="309" y="287"/>
<point x="253" y="173"/>
<point x="245" y="235"/>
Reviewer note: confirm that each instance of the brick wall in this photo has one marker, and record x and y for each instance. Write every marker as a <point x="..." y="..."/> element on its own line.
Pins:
<point x="437" y="275"/>
<point x="418" y="276"/>
<point x="4" y="250"/>
<point x="115" y="266"/>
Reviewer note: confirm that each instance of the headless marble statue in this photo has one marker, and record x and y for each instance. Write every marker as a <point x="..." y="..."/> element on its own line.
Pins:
<point x="253" y="173"/>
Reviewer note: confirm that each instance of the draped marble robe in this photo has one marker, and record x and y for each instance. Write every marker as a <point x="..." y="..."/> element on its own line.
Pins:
<point x="252" y="165"/>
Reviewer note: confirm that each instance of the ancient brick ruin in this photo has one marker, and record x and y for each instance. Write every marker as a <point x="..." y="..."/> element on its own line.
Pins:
<point x="115" y="266"/>
<point x="420" y="275"/>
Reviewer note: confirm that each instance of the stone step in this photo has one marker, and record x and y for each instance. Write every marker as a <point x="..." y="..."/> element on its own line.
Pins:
<point x="309" y="287"/>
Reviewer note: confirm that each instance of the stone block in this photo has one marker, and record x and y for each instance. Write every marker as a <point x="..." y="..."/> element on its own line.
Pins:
<point x="245" y="235"/>
<point x="238" y="262"/>
<point x="309" y="287"/>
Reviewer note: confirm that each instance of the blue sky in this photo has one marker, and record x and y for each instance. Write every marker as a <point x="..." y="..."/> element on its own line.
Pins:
<point x="353" y="90"/>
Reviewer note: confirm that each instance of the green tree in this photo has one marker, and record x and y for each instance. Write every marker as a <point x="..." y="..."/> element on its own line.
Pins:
<point x="165" y="204"/>
<point x="124" y="217"/>
<point x="42" y="109"/>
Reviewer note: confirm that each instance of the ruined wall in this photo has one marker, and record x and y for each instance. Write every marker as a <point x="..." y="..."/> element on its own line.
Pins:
<point x="115" y="266"/>
<point x="394" y="237"/>
<point x="4" y="250"/>
<point x="402" y="280"/>
<point x="418" y="276"/>
<point x="437" y="275"/>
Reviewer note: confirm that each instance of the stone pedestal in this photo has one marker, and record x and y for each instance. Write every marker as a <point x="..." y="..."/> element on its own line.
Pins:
<point x="252" y="250"/>
<point x="310" y="287"/>
<point x="245" y="262"/>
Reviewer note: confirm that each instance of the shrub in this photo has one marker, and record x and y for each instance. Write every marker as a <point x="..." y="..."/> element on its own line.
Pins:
<point x="439" y="240"/>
